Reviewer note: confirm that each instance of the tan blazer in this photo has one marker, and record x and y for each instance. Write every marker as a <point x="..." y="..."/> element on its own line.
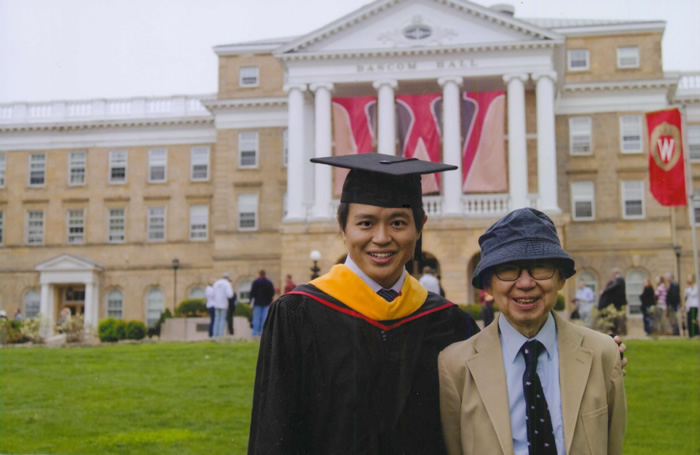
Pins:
<point x="474" y="396"/>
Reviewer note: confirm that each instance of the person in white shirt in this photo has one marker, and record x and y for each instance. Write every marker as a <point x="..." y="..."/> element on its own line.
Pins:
<point x="584" y="300"/>
<point x="222" y="292"/>
<point x="429" y="281"/>
<point x="691" y="305"/>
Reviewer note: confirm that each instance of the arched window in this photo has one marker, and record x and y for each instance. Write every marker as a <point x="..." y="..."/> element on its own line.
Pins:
<point x="589" y="280"/>
<point x="115" y="304"/>
<point x="196" y="293"/>
<point x="32" y="303"/>
<point x="634" y="287"/>
<point x="244" y="290"/>
<point x="155" y="303"/>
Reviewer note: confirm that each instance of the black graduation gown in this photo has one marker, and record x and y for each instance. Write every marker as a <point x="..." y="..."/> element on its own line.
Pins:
<point x="330" y="381"/>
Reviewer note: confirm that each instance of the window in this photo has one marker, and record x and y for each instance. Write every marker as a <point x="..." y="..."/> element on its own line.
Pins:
<point x="197" y="293"/>
<point x="285" y="148"/>
<point x="32" y="304"/>
<point x="2" y="170"/>
<point x="634" y="285"/>
<point x="696" y="205"/>
<point x="115" y="304"/>
<point x="582" y="200"/>
<point x="631" y="133"/>
<point x="157" y="165"/>
<point x="117" y="166"/>
<point x="156" y="224"/>
<point x="244" y="291"/>
<point x="155" y="304"/>
<point x="248" y="76"/>
<point x="76" y="168"/>
<point x="199" y="159"/>
<point x="117" y="226"/>
<point x="580" y="141"/>
<point x="632" y="199"/>
<point x="76" y="226"/>
<point x="578" y="59"/>
<point x="248" y="149"/>
<point x="35" y="227"/>
<point x="694" y="142"/>
<point x="247" y="212"/>
<point x="37" y="169"/>
<point x="589" y="280"/>
<point x="199" y="222"/>
<point x="2" y="227"/>
<point x="628" y="57"/>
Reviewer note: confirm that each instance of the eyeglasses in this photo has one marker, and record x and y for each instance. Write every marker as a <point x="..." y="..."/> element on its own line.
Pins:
<point x="537" y="270"/>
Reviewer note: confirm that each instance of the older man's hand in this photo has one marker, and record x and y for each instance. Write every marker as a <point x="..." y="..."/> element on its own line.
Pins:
<point x="622" y="347"/>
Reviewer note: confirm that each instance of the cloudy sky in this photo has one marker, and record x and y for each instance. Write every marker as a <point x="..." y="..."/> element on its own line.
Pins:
<point x="80" y="49"/>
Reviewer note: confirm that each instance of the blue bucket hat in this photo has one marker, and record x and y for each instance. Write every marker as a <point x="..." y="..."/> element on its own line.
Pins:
<point x="523" y="234"/>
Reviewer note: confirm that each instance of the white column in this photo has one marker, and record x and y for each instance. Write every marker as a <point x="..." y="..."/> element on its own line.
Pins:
<point x="386" y="122"/>
<point x="322" y="174"/>
<point x="546" y="145"/>
<point x="91" y="306"/>
<point x="46" y="310"/>
<point x="295" y="163"/>
<point x="452" y="147"/>
<point x="517" y="146"/>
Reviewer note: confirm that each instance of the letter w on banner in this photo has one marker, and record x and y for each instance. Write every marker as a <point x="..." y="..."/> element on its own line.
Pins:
<point x="666" y="164"/>
<point x="354" y="127"/>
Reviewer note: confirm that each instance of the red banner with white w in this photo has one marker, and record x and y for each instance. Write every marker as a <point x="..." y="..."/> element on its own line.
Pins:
<point x="666" y="163"/>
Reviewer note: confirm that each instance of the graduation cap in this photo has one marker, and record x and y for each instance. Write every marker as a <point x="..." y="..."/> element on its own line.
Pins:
<point x="383" y="180"/>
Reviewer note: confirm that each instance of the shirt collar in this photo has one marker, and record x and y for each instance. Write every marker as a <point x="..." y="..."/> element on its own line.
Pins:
<point x="513" y="340"/>
<point x="369" y="281"/>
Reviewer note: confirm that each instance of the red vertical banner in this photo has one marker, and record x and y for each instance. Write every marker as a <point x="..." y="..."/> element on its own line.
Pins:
<point x="354" y="131"/>
<point x="484" y="155"/>
<point x="418" y="121"/>
<point x="666" y="163"/>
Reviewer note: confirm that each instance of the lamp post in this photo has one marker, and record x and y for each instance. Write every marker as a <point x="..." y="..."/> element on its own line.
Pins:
<point x="176" y="265"/>
<point x="677" y="249"/>
<point x="315" y="256"/>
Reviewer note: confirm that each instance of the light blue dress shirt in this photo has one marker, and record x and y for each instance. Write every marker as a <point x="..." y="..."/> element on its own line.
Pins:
<point x="548" y="371"/>
<point x="369" y="281"/>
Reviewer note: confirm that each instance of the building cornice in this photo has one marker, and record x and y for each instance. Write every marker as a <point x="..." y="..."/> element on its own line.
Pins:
<point x="665" y="83"/>
<point x="436" y="50"/>
<point x="236" y="103"/>
<point x="613" y="29"/>
<point x="109" y="124"/>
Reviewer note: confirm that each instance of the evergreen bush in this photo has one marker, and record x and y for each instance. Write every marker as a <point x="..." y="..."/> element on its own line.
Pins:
<point x="192" y="308"/>
<point x="135" y="330"/>
<point x="106" y="330"/>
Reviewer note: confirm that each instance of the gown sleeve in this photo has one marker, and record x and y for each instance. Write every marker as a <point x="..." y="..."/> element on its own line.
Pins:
<point x="277" y="425"/>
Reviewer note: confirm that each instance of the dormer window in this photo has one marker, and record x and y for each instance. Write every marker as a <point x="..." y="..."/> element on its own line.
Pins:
<point x="248" y="76"/>
<point x="628" y="57"/>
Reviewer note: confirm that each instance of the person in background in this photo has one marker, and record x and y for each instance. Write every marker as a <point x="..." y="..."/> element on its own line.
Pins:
<point x="429" y="281"/>
<point x="691" y="305"/>
<point x="487" y="312"/>
<point x="209" y="294"/>
<point x="673" y="302"/>
<point x="532" y="382"/>
<point x="584" y="300"/>
<point x="616" y="295"/>
<point x="261" y="293"/>
<point x="648" y="300"/>
<point x="222" y="292"/>
<point x="231" y="309"/>
<point x="289" y="284"/>
<point x="18" y="315"/>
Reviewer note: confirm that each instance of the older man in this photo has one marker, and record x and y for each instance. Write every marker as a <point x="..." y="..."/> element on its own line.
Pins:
<point x="533" y="383"/>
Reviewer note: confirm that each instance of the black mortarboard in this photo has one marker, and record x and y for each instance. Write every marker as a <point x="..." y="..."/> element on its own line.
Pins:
<point x="383" y="180"/>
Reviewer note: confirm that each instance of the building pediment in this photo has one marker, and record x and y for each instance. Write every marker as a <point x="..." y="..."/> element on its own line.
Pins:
<point x="67" y="263"/>
<point x="400" y="26"/>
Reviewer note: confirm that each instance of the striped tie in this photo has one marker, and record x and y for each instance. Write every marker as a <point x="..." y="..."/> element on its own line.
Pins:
<point x="388" y="294"/>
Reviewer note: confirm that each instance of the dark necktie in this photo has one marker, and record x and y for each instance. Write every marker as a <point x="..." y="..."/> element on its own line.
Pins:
<point x="388" y="294"/>
<point x="540" y="435"/>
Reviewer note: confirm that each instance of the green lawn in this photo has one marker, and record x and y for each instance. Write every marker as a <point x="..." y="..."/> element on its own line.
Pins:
<point x="195" y="398"/>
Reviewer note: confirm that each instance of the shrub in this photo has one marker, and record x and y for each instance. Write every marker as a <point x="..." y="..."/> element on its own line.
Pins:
<point x="244" y="310"/>
<point x="474" y="310"/>
<point x="31" y="328"/>
<point x="192" y="308"/>
<point x="135" y="330"/>
<point x="11" y="332"/>
<point x="155" y="330"/>
<point x="561" y="302"/>
<point x="106" y="330"/>
<point x="74" y="328"/>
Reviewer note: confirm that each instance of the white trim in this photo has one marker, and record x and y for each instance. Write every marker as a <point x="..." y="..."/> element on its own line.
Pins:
<point x="639" y="132"/>
<point x="586" y="194"/>
<point x="246" y="200"/>
<point x="569" y="59"/>
<point x="636" y="55"/>
<point x="158" y="157"/>
<point x="581" y="132"/>
<point x="617" y="29"/>
<point x="242" y="77"/>
<point x="624" y="197"/>
<point x="200" y="149"/>
<point x="112" y="165"/>
<point x="71" y="166"/>
<point x="245" y="145"/>
<point x="3" y="169"/>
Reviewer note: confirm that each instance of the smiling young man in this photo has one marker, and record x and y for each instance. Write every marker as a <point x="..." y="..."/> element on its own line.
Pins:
<point x="533" y="383"/>
<point x="348" y="362"/>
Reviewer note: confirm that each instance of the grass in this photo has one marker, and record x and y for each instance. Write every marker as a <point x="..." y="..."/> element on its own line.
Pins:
<point x="185" y="398"/>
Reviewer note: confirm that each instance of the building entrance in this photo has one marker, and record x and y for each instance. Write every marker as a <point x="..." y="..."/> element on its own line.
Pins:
<point x="73" y="298"/>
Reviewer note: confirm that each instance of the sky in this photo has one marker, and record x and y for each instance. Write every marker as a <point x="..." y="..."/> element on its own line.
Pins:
<point x="82" y="49"/>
